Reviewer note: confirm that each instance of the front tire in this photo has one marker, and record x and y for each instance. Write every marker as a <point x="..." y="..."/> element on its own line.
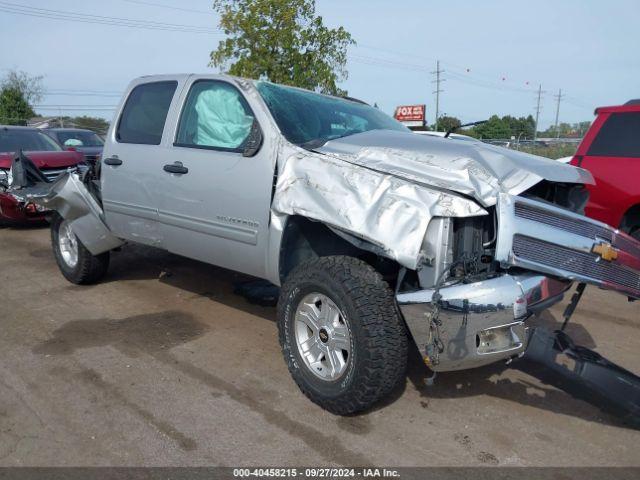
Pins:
<point x="342" y="336"/>
<point x="76" y="263"/>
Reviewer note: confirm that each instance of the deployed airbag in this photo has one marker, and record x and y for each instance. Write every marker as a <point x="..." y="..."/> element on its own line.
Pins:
<point x="220" y="119"/>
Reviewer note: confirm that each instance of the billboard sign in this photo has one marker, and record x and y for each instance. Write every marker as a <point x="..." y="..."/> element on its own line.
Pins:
<point x="411" y="115"/>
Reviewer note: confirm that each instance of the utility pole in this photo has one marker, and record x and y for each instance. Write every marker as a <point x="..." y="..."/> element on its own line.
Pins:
<point x="438" y="90"/>
<point x="558" y="97"/>
<point x="535" y="130"/>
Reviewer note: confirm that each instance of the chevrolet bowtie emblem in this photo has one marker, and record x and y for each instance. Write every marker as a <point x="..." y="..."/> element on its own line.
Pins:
<point x="606" y="251"/>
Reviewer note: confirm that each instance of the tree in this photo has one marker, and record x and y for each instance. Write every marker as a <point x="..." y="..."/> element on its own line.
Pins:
<point x="495" y="127"/>
<point x="30" y="87"/>
<point x="14" y="108"/>
<point x="282" y="41"/>
<point x="567" y="130"/>
<point x="447" y="122"/>
<point x="521" y="127"/>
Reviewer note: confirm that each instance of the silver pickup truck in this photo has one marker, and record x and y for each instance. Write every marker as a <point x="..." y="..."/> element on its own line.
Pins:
<point x="373" y="233"/>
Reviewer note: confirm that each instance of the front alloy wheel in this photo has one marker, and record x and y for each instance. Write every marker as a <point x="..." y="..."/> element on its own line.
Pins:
<point x="322" y="336"/>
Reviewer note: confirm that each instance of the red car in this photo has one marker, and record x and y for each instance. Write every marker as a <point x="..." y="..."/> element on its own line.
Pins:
<point x="611" y="152"/>
<point x="45" y="153"/>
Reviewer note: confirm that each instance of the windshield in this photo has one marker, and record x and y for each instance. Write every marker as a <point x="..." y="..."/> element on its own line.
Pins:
<point x="14" y="140"/>
<point x="79" y="139"/>
<point x="310" y="119"/>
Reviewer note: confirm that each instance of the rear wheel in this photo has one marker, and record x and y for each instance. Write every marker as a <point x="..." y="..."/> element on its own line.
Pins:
<point x="341" y="334"/>
<point x="76" y="263"/>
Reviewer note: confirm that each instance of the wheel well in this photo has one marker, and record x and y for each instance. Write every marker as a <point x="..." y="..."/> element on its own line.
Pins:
<point x="631" y="219"/>
<point x="304" y="239"/>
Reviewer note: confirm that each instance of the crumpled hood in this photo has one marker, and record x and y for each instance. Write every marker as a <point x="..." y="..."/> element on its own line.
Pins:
<point x="474" y="169"/>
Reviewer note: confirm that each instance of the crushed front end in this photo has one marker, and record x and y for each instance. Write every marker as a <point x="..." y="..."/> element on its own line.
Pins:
<point x="21" y="183"/>
<point x="485" y="276"/>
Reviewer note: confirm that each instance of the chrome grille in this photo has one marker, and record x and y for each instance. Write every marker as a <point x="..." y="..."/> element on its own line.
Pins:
<point x="566" y="223"/>
<point x="583" y="227"/>
<point x="627" y="244"/>
<point x="581" y="264"/>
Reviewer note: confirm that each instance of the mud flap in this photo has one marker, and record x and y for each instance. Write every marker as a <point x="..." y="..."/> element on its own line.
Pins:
<point x="69" y="196"/>
<point x="583" y="374"/>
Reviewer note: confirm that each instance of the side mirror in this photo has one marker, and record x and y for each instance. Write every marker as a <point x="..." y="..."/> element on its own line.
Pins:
<point x="71" y="149"/>
<point x="254" y="140"/>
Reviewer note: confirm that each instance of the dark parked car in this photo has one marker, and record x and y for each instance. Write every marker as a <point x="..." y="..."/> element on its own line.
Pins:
<point x="85" y="141"/>
<point x="46" y="154"/>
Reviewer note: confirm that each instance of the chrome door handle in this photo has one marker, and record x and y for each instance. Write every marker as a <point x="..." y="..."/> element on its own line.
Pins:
<point x="113" y="161"/>
<point x="176" y="168"/>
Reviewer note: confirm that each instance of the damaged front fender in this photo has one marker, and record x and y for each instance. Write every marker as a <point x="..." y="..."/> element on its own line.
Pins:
<point x="391" y="213"/>
<point x="71" y="199"/>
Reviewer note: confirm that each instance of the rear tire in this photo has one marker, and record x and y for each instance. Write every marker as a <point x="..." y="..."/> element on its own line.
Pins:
<point x="76" y="263"/>
<point x="366" y="326"/>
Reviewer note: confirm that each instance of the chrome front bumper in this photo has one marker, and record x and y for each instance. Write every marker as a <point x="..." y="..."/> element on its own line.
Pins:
<point x="478" y="323"/>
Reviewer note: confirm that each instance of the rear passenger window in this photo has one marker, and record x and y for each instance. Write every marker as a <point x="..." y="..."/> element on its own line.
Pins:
<point x="215" y="116"/>
<point x="145" y="113"/>
<point x="618" y="137"/>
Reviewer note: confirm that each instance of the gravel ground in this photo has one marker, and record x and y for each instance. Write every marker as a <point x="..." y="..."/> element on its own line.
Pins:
<point x="162" y="365"/>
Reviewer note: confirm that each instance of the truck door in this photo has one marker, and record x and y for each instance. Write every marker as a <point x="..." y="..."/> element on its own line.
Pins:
<point x="215" y="202"/>
<point x="131" y="167"/>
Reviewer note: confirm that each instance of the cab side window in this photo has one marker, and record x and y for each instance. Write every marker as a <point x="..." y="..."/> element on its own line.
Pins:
<point x="144" y="115"/>
<point x="215" y="116"/>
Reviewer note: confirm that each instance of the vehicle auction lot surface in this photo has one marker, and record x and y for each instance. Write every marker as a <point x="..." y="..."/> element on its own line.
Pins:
<point x="161" y="364"/>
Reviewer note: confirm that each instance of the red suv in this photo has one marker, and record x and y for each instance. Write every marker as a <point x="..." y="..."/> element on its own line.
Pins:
<point x="611" y="152"/>
<point x="45" y="153"/>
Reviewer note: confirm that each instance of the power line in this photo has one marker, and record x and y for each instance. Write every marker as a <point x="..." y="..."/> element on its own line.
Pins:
<point x="455" y="72"/>
<point x="14" y="8"/>
<point x="49" y="14"/>
<point x="487" y="84"/>
<point x="75" y="108"/>
<point x="80" y="90"/>
<point x="162" y="5"/>
<point x="388" y="63"/>
<point x="86" y="15"/>
<point x="72" y="105"/>
<point x="79" y="94"/>
<point x="60" y="15"/>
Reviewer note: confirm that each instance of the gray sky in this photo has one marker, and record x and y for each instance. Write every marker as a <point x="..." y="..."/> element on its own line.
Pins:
<point x="494" y="53"/>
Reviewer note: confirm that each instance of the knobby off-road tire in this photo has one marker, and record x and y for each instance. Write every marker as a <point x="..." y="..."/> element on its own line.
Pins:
<point x="377" y="358"/>
<point x="75" y="262"/>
